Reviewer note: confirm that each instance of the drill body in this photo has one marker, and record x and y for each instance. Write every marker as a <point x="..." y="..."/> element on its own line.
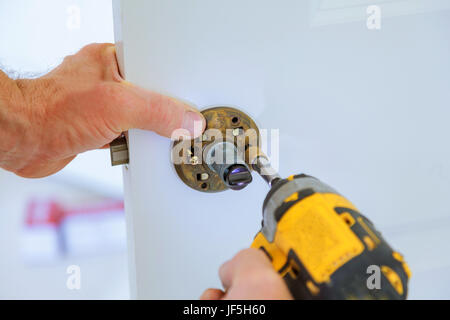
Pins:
<point x="324" y="248"/>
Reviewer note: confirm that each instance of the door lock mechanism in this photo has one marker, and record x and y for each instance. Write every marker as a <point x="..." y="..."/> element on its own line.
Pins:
<point x="219" y="159"/>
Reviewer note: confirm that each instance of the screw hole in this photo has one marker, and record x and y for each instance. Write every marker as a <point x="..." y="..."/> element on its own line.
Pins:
<point x="204" y="186"/>
<point x="235" y="120"/>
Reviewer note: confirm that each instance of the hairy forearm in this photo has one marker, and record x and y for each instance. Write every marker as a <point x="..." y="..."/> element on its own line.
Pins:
<point x="82" y="105"/>
<point x="14" y="123"/>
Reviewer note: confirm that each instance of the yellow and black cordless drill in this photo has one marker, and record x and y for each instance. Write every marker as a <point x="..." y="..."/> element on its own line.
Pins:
<point x="322" y="246"/>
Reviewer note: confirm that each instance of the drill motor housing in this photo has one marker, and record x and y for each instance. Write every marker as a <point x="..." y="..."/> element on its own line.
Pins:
<point x="324" y="248"/>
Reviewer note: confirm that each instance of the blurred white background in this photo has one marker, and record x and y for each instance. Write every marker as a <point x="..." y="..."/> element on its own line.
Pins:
<point x="34" y="38"/>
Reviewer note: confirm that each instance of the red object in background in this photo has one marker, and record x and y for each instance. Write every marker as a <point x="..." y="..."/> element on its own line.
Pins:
<point x="43" y="213"/>
<point x="95" y="229"/>
<point x="41" y="240"/>
<point x="95" y="209"/>
<point x="52" y="231"/>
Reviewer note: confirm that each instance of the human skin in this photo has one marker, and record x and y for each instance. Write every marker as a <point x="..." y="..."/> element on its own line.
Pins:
<point x="83" y="105"/>
<point x="249" y="276"/>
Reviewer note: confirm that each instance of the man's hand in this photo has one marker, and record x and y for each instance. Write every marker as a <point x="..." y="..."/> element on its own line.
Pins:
<point x="82" y="105"/>
<point x="249" y="276"/>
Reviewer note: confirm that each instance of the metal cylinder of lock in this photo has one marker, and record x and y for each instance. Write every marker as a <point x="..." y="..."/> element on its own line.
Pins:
<point x="215" y="162"/>
<point x="224" y="159"/>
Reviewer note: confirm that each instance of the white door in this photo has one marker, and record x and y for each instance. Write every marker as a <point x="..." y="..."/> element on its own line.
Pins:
<point x="365" y="110"/>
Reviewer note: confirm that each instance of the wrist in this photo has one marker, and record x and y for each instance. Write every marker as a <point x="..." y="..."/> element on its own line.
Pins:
<point x="15" y="125"/>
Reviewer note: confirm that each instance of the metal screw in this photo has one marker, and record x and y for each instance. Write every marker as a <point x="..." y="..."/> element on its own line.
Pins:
<point x="237" y="132"/>
<point x="204" y="176"/>
<point x="194" y="160"/>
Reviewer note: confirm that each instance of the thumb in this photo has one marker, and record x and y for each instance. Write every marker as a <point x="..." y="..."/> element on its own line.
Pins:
<point x="148" y="110"/>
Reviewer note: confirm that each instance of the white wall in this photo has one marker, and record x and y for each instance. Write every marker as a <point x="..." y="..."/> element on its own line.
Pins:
<point x="35" y="37"/>
<point x="365" y="111"/>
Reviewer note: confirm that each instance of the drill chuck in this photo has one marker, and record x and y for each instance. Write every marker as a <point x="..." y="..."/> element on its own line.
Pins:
<point x="261" y="164"/>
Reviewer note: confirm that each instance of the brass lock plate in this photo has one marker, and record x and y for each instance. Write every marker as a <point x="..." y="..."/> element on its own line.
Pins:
<point x="234" y="126"/>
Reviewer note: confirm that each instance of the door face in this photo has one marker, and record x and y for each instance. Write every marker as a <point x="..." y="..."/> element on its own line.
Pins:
<point x="366" y="111"/>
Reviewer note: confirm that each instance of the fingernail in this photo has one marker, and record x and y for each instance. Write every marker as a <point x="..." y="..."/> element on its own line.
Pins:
<point x="194" y="122"/>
